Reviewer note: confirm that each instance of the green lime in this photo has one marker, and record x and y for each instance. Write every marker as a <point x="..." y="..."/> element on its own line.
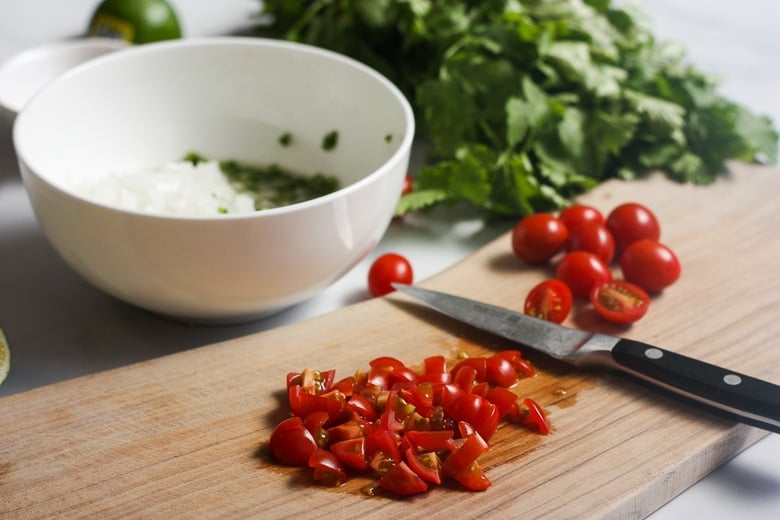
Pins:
<point x="5" y="357"/>
<point x="135" y="21"/>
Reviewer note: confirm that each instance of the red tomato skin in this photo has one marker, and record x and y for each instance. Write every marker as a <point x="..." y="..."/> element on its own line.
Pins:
<point x="538" y="237"/>
<point x="536" y="418"/>
<point x="386" y="269"/>
<point x="327" y="467"/>
<point x="619" y="301"/>
<point x="351" y="452"/>
<point x="594" y="238"/>
<point x="578" y="214"/>
<point x="408" y="186"/>
<point x="549" y="300"/>
<point x="581" y="271"/>
<point x="630" y="222"/>
<point x="650" y="265"/>
<point x="400" y="479"/>
<point x="291" y="443"/>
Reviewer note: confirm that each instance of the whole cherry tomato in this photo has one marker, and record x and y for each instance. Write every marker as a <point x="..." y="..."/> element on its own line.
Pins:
<point x="538" y="237"/>
<point x="387" y="269"/>
<point x="630" y="222"/>
<point x="619" y="301"/>
<point x="581" y="270"/>
<point x="650" y="265"/>
<point x="578" y="214"/>
<point x="594" y="238"/>
<point x="549" y="300"/>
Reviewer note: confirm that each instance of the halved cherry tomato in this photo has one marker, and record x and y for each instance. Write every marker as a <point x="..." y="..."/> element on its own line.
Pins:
<point x="536" y="418"/>
<point x="631" y="222"/>
<point x="400" y="479"/>
<point x="578" y="214"/>
<point x="291" y="443"/>
<point x="327" y="468"/>
<point x="581" y="271"/>
<point x="594" y="238"/>
<point x="549" y="300"/>
<point x="538" y="237"/>
<point x="619" y="301"/>
<point x="386" y="269"/>
<point x="650" y="265"/>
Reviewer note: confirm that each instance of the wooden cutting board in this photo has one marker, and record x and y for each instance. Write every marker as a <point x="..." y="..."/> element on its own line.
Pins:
<point x="184" y="435"/>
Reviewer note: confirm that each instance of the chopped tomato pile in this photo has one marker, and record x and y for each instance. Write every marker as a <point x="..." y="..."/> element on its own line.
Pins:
<point x="589" y="242"/>
<point x="409" y="428"/>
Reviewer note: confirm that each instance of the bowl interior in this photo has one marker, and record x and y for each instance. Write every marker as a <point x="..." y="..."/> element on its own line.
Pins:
<point x="226" y="98"/>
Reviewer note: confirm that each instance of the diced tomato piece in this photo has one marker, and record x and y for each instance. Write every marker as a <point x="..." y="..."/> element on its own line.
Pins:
<point x="481" y="389"/>
<point x="346" y="386"/>
<point x="466" y="454"/>
<point x="347" y="430"/>
<point x="327" y="468"/>
<point x="435" y="370"/>
<point x="504" y="399"/>
<point x="291" y="443"/>
<point x="472" y="478"/>
<point x="400" y="479"/>
<point x="303" y="403"/>
<point x="477" y="363"/>
<point x="522" y="366"/>
<point x="500" y="371"/>
<point x="426" y="465"/>
<point x="420" y="396"/>
<point x="430" y="440"/>
<point x="465" y="377"/>
<point x="360" y="404"/>
<point x="383" y="442"/>
<point x="351" y="452"/>
<point x="447" y="394"/>
<point x="536" y="418"/>
<point x="312" y="381"/>
<point x="315" y="423"/>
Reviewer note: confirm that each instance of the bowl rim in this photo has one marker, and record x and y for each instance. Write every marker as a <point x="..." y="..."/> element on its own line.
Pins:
<point x="51" y="53"/>
<point x="402" y="149"/>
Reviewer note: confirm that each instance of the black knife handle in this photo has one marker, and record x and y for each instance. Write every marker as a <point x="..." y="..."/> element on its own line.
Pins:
<point x="744" y="398"/>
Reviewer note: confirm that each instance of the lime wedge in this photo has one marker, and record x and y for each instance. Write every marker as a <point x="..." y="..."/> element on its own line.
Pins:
<point x="135" y="21"/>
<point x="5" y="357"/>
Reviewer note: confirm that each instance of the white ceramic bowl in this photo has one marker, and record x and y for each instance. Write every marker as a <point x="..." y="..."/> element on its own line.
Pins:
<point x="24" y="74"/>
<point x="226" y="98"/>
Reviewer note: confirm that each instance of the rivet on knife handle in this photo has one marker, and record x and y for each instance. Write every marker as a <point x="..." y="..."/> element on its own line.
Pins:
<point x="751" y="400"/>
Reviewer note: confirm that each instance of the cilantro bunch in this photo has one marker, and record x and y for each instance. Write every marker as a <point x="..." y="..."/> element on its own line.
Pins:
<point x="528" y="103"/>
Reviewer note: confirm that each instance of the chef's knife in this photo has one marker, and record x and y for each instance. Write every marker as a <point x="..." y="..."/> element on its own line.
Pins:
<point x="743" y="398"/>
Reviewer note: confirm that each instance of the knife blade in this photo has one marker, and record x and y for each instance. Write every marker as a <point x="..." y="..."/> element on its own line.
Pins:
<point x="738" y="396"/>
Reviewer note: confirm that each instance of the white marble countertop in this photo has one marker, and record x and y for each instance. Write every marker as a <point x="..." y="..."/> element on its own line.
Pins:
<point x="60" y="327"/>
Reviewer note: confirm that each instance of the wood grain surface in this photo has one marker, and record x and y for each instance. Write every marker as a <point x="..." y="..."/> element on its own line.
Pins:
<point x="184" y="436"/>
